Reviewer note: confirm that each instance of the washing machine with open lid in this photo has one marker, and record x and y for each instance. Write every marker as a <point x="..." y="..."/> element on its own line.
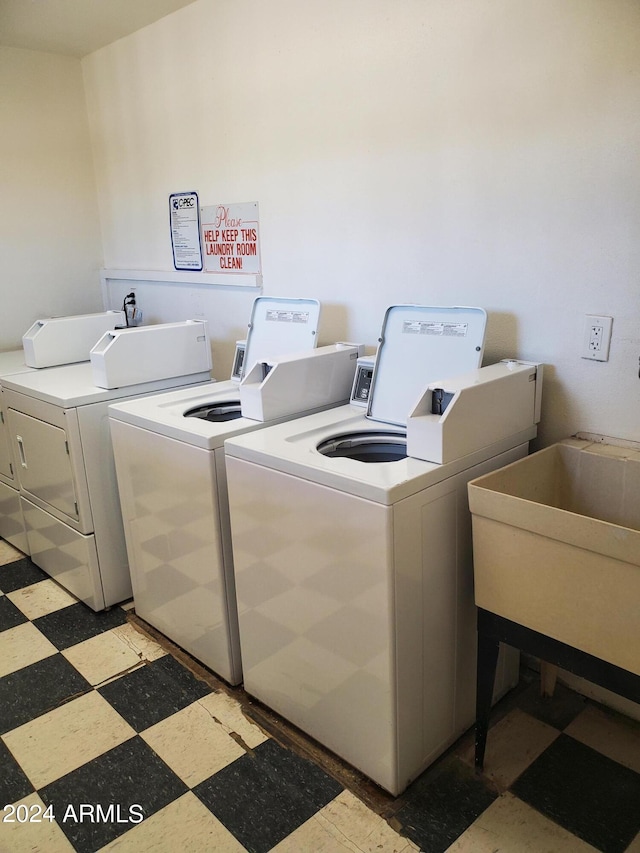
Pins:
<point x="353" y="560"/>
<point x="418" y="344"/>
<point x="277" y="326"/>
<point x="170" y="462"/>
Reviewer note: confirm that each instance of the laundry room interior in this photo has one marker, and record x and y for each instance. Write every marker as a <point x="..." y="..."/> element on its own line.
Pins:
<point x="284" y="509"/>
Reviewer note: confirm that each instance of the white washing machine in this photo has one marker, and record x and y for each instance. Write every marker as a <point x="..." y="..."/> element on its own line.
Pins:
<point x="353" y="562"/>
<point x="171" y="475"/>
<point x="51" y="341"/>
<point x="59" y="433"/>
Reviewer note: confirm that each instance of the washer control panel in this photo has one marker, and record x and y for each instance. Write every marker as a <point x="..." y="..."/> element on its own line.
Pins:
<point x="238" y="360"/>
<point x="362" y="381"/>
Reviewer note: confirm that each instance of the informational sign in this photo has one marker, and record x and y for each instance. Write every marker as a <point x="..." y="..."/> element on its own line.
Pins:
<point x="424" y="327"/>
<point x="184" y="216"/>
<point x="231" y="238"/>
<point x="273" y="316"/>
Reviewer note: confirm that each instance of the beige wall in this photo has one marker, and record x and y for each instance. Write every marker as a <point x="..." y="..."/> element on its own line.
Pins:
<point x="473" y="152"/>
<point x="50" y="250"/>
<point x="440" y="151"/>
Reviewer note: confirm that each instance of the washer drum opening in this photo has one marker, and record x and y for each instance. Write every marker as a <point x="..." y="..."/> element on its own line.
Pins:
<point x="216" y="412"/>
<point x="366" y="446"/>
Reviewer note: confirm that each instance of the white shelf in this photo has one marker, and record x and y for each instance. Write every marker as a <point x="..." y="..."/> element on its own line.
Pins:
<point x="183" y="277"/>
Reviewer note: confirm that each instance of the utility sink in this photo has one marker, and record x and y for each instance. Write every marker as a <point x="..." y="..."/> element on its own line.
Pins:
<point x="556" y="546"/>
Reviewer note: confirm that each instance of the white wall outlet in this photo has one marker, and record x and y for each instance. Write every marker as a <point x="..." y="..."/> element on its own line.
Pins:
<point x="597" y="337"/>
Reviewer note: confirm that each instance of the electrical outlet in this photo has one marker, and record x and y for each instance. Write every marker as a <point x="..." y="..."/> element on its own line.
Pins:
<point x="597" y="337"/>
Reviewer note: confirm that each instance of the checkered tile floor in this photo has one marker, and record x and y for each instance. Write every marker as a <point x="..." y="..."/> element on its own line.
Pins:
<point x="129" y="750"/>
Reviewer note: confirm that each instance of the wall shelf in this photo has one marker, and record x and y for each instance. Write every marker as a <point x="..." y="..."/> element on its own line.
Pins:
<point x="182" y="277"/>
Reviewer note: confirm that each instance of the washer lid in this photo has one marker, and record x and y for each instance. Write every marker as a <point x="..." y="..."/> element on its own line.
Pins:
<point x="215" y="412"/>
<point x="365" y="446"/>
<point x="420" y="344"/>
<point x="280" y="326"/>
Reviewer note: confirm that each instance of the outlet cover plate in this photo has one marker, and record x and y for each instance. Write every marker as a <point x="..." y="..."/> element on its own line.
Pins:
<point x="597" y="337"/>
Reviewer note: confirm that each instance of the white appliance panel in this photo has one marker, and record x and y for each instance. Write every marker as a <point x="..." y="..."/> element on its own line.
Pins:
<point x="64" y="340"/>
<point x="314" y="593"/>
<point x="418" y="345"/>
<point x="195" y="604"/>
<point x="279" y="326"/>
<point x="12" y="528"/>
<point x="6" y="461"/>
<point x="425" y="572"/>
<point x="357" y="621"/>
<point x="148" y="353"/>
<point x="72" y="385"/>
<point x="98" y="473"/>
<point x="291" y="448"/>
<point x="67" y="556"/>
<point x="49" y="462"/>
<point x="171" y="510"/>
<point x="13" y="362"/>
<point x="10" y="363"/>
<point x="435" y="613"/>
<point x="64" y="419"/>
<point x="164" y="413"/>
<point x="44" y="464"/>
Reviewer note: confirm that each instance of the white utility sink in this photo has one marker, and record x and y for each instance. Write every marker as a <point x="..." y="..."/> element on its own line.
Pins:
<point x="556" y="544"/>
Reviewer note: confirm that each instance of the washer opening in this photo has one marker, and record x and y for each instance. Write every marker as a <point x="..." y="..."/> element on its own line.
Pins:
<point x="229" y="410"/>
<point x="366" y="446"/>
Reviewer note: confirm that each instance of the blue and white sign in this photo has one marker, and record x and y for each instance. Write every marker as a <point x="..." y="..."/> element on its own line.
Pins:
<point x="184" y="216"/>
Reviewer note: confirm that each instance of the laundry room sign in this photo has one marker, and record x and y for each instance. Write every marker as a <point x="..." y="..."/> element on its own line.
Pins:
<point x="184" y="215"/>
<point x="231" y="238"/>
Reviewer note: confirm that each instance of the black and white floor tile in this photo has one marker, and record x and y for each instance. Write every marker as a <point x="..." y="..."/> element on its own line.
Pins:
<point x="109" y="742"/>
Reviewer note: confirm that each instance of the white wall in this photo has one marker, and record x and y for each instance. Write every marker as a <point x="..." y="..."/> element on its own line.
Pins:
<point x="50" y="250"/>
<point x="477" y="152"/>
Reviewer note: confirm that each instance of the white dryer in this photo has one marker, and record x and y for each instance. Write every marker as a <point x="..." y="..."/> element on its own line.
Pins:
<point x="61" y="449"/>
<point x="353" y="561"/>
<point x="47" y="343"/>
<point x="172" y="480"/>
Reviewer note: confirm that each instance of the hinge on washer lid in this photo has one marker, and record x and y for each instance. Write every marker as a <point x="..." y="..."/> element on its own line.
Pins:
<point x="66" y="446"/>
<point x="1" y="416"/>
<point x="75" y="503"/>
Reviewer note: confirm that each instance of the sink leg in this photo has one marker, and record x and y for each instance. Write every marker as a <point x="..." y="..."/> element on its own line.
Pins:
<point x="487" y="659"/>
<point x="548" y="675"/>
